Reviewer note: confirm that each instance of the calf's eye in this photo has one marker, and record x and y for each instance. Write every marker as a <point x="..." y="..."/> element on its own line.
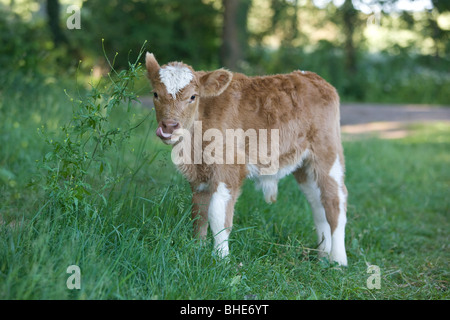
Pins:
<point x="192" y="98"/>
<point x="155" y="94"/>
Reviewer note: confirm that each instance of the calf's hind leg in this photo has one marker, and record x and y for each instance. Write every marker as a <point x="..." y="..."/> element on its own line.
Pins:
<point x="327" y="195"/>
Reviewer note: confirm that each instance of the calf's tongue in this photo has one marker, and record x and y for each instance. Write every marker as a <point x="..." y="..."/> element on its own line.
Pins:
<point x="160" y="133"/>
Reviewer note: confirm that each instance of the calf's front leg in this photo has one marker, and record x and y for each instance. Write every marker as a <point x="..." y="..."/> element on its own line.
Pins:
<point x="220" y="217"/>
<point x="200" y="203"/>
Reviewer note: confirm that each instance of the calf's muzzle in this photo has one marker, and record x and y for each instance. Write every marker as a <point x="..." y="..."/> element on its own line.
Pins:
<point x="166" y="128"/>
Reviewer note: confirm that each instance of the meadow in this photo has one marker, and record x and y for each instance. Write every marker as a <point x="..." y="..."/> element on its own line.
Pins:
<point x="84" y="181"/>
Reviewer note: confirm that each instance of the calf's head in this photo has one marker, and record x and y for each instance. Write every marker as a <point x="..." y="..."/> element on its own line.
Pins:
<point x="177" y="91"/>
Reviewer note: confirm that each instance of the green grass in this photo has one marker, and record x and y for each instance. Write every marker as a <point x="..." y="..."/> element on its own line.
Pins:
<point x="139" y="245"/>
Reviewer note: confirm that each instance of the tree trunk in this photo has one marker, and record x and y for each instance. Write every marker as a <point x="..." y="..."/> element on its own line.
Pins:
<point x="59" y="38"/>
<point x="53" y="9"/>
<point x="349" y="15"/>
<point x="234" y="36"/>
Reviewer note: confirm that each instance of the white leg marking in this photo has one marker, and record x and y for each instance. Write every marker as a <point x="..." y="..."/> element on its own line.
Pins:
<point x="312" y="193"/>
<point x="338" y="253"/>
<point x="216" y="216"/>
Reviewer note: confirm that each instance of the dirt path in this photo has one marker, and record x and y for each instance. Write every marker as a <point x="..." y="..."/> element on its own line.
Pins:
<point x="388" y="121"/>
<point x="363" y="113"/>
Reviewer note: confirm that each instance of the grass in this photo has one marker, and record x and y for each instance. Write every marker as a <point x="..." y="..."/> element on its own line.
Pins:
<point x="139" y="246"/>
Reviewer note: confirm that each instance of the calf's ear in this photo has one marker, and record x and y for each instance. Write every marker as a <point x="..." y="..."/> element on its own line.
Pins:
<point x="214" y="83"/>
<point x="152" y="66"/>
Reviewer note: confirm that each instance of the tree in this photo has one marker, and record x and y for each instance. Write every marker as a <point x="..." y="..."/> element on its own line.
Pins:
<point x="285" y="18"/>
<point x="234" y="36"/>
<point x="187" y="30"/>
<point x="349" y="17"/>
<point x="53" y="9"/>
<point x="439" y="36"/>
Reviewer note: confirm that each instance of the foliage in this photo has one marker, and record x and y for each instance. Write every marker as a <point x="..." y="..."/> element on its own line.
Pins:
<point x="18" y="50"/>
<point x="380" y="77"/>
<point x="27" y="52"/>
<point x="275" y="36"/>
<point x="76" y="164"/>
<point x="175" y="30"/>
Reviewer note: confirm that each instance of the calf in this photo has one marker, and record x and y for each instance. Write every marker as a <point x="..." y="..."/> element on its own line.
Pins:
<point x="293" y="117"/>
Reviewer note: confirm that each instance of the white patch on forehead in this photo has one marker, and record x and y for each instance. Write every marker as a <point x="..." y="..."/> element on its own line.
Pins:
<point x="175" y="78"/>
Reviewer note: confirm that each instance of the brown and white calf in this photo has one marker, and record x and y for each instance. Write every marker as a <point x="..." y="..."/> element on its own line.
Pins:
<point x="297" y="114"/>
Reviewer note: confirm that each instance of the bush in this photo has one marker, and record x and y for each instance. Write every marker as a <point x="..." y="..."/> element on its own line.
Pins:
<point x="27" y="53"/>
<point x="76" y="173"/>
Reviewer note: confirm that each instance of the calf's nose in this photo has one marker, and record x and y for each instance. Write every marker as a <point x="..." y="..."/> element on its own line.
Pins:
<point x="166" y="128"/>
<point x="169" y="126"/>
